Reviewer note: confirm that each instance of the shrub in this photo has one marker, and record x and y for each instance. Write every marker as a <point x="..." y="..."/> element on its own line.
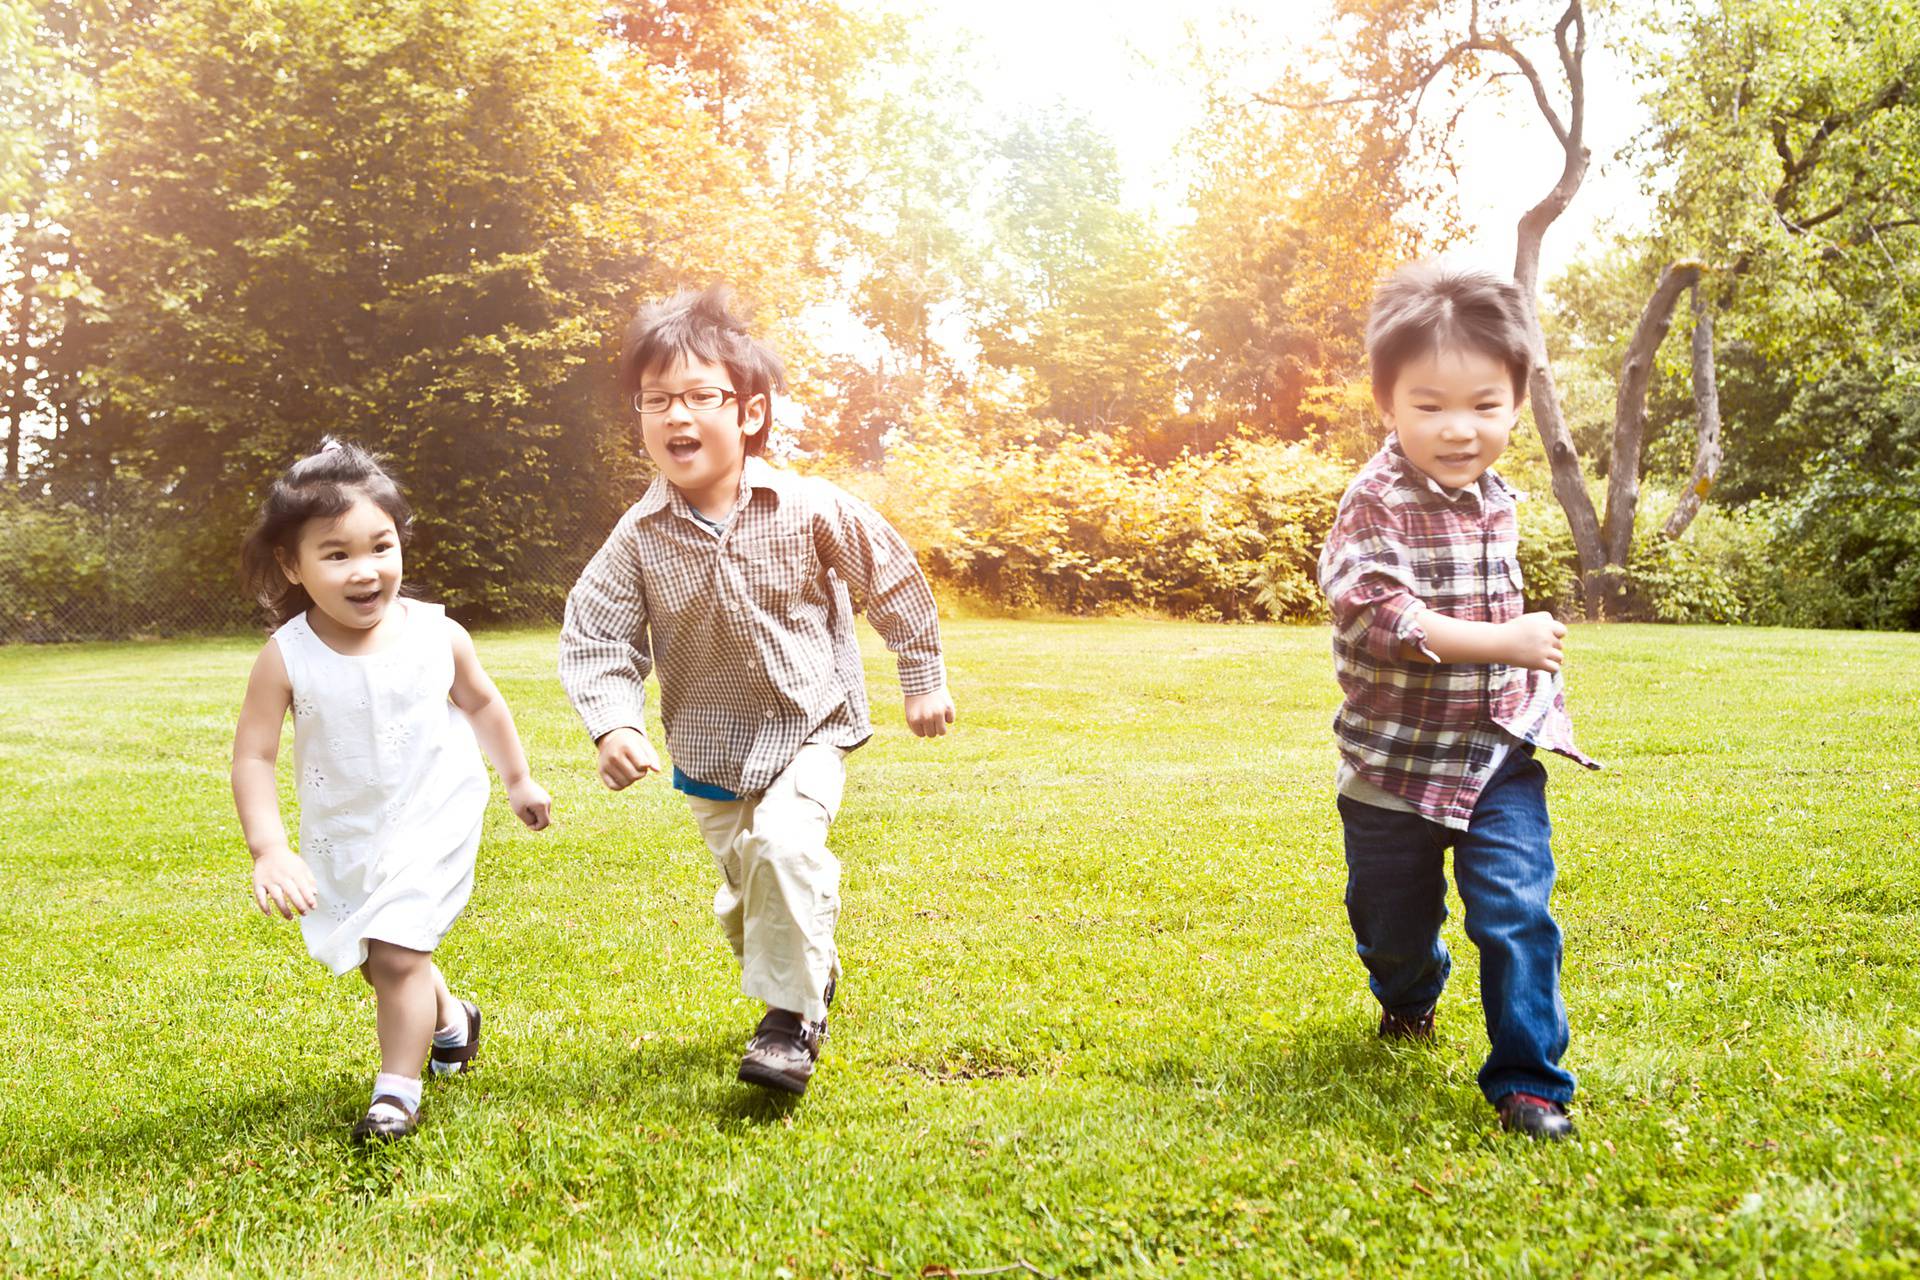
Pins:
<point x="1078" y="525"/>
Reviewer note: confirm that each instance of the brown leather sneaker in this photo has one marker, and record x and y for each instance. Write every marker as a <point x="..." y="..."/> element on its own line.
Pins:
<point x="782" y="1052"/>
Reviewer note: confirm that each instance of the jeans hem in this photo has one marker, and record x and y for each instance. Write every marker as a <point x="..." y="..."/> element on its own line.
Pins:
<point x="1562" y="1094"/>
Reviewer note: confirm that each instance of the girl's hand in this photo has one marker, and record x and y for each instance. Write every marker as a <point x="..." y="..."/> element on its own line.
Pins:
<point x="531" y="804"/>
<point x="626" y="757"/>
<point x="929" y="714"/>
<point x="282" y="879"/>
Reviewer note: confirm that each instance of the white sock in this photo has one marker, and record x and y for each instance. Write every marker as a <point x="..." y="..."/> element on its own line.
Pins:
<point x="453" y="1035"/>
<point x="405" y="1088"/>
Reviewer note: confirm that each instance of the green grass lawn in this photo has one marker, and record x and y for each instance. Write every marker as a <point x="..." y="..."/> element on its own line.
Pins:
<point x="1102" y="1011"/>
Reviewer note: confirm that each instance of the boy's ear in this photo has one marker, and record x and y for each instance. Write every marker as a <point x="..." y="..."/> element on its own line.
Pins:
<point x="754" y="419"/>
<point x="291" y="570"/>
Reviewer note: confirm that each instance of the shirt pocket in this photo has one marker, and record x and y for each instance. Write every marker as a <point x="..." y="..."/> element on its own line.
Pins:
<point x="774" y="574"/>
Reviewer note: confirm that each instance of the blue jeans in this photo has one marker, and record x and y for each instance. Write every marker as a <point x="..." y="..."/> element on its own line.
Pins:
<point x="1503" y="865"/>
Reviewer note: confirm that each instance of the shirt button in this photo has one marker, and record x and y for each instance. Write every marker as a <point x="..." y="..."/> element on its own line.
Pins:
<point x="766" y="715"/>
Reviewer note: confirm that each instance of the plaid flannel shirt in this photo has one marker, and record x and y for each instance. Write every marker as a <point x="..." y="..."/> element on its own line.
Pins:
<point x="1430" y="733"/>
<point x="751" y="628"/>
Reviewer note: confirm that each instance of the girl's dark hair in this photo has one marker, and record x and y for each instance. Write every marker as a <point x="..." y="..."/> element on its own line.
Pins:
<point x="702" y="326"/>
<point x="1426" y="306"/>
<point x="321" y="486"/>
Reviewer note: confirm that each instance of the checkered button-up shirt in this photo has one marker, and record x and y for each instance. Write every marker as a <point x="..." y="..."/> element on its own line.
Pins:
<point x="1430" y="733"/>
<point x="751" y="627"/>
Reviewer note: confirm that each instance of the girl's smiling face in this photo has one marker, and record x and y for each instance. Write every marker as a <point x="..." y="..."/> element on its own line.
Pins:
<point x="350" y="565"/>
<point x="700" y="451"/>
<point x="1454" y="411"/>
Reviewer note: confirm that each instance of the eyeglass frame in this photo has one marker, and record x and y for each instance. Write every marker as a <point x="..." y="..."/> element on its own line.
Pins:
<point x="726" y="394"/>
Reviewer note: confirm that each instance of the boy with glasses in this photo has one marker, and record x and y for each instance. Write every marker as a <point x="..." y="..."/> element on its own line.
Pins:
<point x="733" y="577"/>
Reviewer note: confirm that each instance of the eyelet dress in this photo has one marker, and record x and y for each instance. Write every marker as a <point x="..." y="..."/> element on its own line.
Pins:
<point x="392" y="788"/>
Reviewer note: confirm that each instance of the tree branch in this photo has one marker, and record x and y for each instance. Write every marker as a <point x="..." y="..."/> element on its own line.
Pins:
<point x="1630" y="406"/>
<point x="1706" y="403"/>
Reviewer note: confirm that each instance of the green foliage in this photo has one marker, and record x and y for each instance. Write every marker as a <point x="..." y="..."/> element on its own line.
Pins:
<point x="68" y="573"/>
<point x="1083" y="300"/>
<point x="412" y="224"/>
<point x="52" y="570"/>
<point x="1071" y="522"/>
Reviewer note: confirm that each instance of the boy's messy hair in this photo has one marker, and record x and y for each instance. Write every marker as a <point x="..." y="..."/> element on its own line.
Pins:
<point x="321" y="486"/>
<point x="1426" y="306"/>
<point x="701" y="326"/>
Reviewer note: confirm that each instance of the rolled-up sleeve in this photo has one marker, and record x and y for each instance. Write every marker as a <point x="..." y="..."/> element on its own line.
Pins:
<point x="604" y="650"/>
<point x="1369" y="581"/>
<point x="871" y="557"/>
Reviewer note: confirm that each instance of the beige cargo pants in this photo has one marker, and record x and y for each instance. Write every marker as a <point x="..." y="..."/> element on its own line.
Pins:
<point x="779" y="894"/>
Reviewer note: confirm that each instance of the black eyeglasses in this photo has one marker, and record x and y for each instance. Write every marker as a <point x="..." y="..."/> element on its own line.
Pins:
<point x="698" y="399"/>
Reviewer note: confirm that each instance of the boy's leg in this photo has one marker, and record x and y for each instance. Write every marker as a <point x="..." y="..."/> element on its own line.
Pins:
<point x="1504" y="868"/>
<point x="790" y="885"/>
<point x="722" y="823"/>
<point x="1396" y="902"/>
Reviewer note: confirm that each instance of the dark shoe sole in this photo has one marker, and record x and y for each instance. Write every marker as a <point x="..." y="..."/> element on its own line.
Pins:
<point x="1409" y="1030"/>
<point x="766" y="1077"/>
<point x="378" y="1137"/>
<point x="1541" y="1135"/>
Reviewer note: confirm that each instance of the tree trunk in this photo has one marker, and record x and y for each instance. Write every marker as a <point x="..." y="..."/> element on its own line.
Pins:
<point x="1569" y="477"/>
<point x="1706" y="402"/>
<point x="1630" y="405"/>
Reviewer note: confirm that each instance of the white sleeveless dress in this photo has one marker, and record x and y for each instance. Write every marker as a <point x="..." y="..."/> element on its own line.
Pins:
<point x="392" y="787"/>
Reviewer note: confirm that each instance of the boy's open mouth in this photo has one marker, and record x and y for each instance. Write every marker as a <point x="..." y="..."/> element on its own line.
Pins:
<point x="683" y="447"/>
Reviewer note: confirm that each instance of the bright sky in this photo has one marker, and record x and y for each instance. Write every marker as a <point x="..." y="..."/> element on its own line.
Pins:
<point x="1120" y="62"/>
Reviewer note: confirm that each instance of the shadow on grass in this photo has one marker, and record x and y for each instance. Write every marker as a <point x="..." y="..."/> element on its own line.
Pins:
<point x="1334" y="1076"/>
<point x="234" y="1127"/>
<point x="224" y="1130"/>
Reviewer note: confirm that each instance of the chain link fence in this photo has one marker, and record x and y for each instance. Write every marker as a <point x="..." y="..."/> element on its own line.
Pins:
<point x="74" y="572"/>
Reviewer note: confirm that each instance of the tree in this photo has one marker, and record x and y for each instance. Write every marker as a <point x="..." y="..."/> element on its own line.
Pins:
<point x="1789" y="134"/>
<point x="1082" y="299"/>
<point x="1294" y="221"/>
<point x="1405" y="53"/>
<point x="57" y="51"/>
<point x="412" y="222"/>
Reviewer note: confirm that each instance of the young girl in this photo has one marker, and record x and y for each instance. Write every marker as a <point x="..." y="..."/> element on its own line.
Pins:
<point x="388" y="698"/>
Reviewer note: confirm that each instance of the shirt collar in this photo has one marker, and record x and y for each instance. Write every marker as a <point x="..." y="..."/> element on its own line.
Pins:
<point x="755" y="474"/>
<point x="1491" y="491"/>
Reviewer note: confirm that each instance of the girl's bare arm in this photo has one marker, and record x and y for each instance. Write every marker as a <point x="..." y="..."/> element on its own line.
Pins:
<point x="280" y="878"/>
<point x="475" y="693"/>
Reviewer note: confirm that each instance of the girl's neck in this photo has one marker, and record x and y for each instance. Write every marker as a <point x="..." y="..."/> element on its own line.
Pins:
<point x="359" y="642"/>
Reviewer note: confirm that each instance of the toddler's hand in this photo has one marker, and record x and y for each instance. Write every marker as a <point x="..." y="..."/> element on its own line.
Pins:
<point x="1534" y="641"/>
<point x="626" y="757"/>
<point x="531" y="803"/>
<point x="282" y="879"/>
<point x="929" y="714"/>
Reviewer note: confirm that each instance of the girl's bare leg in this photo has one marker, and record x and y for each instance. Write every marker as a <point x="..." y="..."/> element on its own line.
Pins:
<point x="406" y="1002"/>
<point x="450" y="1012"/>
